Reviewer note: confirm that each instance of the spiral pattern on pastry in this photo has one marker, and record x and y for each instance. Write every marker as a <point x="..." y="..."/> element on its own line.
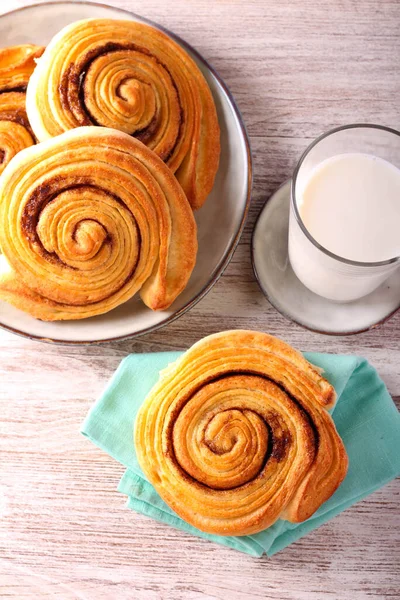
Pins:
<point x="89" y="218"/>
<point x="236" y="434"/>
<point x="131" y="77"/>
<point x="16" y="66"/>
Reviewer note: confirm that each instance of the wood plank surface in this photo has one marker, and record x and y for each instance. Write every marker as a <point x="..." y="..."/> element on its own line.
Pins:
<point x="296" y="69"/>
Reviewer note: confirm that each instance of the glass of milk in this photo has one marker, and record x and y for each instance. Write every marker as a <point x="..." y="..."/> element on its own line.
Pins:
<point x="344" y="228"/>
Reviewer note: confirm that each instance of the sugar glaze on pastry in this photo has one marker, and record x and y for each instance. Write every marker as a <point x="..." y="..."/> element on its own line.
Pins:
<point x="88" y="219"/>
<point x="132" y="77"/>
<point x="236" y="434"/>
<point x="16" y="66"/>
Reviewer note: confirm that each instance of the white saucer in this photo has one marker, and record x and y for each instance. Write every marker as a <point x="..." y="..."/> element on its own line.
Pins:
<point x="291" y="298"/>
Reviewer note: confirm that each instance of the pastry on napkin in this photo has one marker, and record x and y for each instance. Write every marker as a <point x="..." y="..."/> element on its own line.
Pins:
<point x="364" y="415"/>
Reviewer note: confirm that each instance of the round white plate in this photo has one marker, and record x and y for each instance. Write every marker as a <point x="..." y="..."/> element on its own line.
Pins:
<point x="288" y="295"/>
<point x="220" y="221"/>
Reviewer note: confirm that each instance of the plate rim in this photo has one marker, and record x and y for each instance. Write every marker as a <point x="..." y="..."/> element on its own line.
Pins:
<point x="283" y="312"/>
<point x="232" y="247"/>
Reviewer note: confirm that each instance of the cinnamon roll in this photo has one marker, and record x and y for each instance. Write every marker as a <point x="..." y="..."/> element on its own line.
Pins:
<point x="132" y="77"/>
<point x="88" y="219"/>
<point x="16" y="66"/>
<point x="236" y="434"/>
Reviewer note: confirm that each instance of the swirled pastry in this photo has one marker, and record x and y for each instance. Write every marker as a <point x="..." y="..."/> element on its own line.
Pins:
<point x="134" y="78"/>
<point x="236" y="434"/>
<point x="16" y="66"/>
<point x="89" y="218"/>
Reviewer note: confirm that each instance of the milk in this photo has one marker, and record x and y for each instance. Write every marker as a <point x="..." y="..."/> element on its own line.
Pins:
<point x="350" y="204"/>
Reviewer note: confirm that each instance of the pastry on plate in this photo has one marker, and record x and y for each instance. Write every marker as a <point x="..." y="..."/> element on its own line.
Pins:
<point x="237" y="434"/>
<point x="16" y="66"/>
<point x="132" y="77"/>
<point x="88" y="219"/>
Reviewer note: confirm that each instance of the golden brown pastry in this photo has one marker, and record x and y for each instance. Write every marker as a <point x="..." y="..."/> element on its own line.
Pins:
<point x="16" y="66"/>
<point x="88" y="219"/>
<point x="134" y="78"/>
<point x="236" y="434"/>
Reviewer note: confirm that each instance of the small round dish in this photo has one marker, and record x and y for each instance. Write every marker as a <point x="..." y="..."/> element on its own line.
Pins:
<point x="220" y="221"/>
<point x="269" y="250"/>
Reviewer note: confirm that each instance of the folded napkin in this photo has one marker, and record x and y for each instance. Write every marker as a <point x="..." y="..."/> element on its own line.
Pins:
<point x="365" y="417"/>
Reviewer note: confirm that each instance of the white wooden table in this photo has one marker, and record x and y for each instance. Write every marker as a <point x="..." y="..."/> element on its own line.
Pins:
<point x="296" y="68"/>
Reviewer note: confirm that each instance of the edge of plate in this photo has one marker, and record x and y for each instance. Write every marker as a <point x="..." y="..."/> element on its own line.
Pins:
<point x="229" y="253"/>
<point x="284" y="313"/>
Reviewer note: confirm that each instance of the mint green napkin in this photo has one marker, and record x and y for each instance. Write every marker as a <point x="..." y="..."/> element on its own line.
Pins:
<point x="365" y="417"/>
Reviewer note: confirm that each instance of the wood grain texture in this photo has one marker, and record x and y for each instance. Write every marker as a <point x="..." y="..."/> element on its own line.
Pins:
<point x="296" y="69"/>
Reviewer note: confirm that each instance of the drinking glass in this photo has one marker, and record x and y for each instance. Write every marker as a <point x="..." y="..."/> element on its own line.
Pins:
<point x="322" y="271"/>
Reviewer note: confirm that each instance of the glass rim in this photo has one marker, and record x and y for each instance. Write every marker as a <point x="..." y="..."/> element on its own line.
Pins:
<point x="294" y="203"/>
